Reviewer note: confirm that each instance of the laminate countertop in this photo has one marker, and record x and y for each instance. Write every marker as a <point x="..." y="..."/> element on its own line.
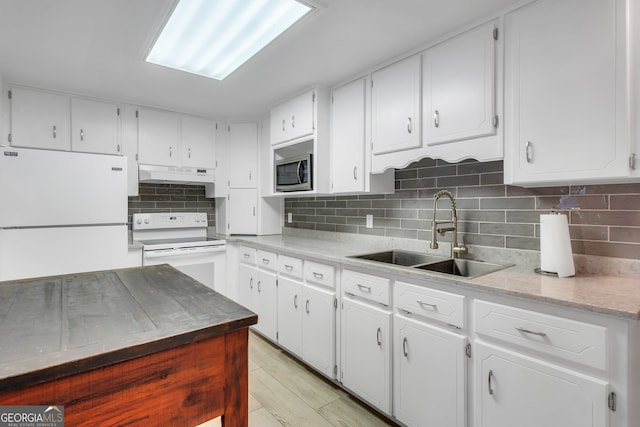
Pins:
<point x="56" y="326"/>
<point x="604" y="294"/>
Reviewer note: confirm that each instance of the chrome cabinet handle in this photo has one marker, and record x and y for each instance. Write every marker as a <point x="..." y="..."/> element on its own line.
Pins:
<point x="364" y="288"/>
<point x="170" y="151"/>
<point x="246" y="255"/>
<point x="306" y="307"/>
<point x="259" y="290"/>
<point x="293" y="121"/>
<point x="528" y="148"/>
<point x="527" y="331"/>
<point x="632" y="161"/>
<point x="118" y="148"/>
<point x="282" y="125"/>
<point x="288" y="267"/>
<point x="318" y="275"/>
<point x="189" y="153"/>
<point x="81" y="134"/>
<point x="355" y="173"/>
<point x="249" y="175"/>
<point x="295" y="301"/>
<point x="404" y="348"/>
<point x="422" y="303"/>
<point x="254" y="211"/>
<point x="251" y="283"/>
<point x="55" y="132"/>
<point x="409" y="125"/>
<point x="379" y="337"/>
<point x="265" y="260"/>
<point x="436" y="118"/>
<point x="489" y="381"/>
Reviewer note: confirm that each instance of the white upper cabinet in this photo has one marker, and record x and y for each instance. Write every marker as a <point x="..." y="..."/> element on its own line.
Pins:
<point x="39" y="119"/>
<point x="293" y="119"/>
<point x="566" y="93"/>
<point x="158" y="136"/>
<point x="94" y="126"/>
<point x="459" y="87"/>
<point x="348" y="112"/>
<point x="198" y="142"/>
<point x="243" y="155"/>
<point x="395" y="106"/>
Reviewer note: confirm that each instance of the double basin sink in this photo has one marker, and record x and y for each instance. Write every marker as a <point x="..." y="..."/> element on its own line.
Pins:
<point x="434" y="263"/>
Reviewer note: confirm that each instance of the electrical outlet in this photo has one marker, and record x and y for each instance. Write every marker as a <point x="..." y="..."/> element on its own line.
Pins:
<point x="289" y="217"/>
<point x="369" y="221"/>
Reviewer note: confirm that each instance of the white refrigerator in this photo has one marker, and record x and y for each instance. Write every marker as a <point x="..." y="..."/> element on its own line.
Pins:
<point x="61" y="212"/>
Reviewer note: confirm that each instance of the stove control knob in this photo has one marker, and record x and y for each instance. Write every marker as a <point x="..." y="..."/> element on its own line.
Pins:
<point x="146" y="220"/>
<point x="139" y="221"/>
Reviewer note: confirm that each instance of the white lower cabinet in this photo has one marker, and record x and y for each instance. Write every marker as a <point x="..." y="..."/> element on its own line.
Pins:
<point x="318" y="327"/>
<point x="366" y="352"/>
<point x="290" y="306"/>
<point x="516" y="390"/>
<point x="257" y="291"/>
<point x="429" y="376"/>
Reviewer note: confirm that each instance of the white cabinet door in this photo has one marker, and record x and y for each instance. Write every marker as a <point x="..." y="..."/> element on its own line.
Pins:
<point x="293" y="119"/>
<point x="458" y="84"/>
<point x="318" y="324"/>
<point x="565" y="92"/>
<point x="395" y="106"/>
<point x="39" y="119"/>
<point x="158" y="137"/>
<point x="429" y="375"/>
<point x="197" y="142"/>
<point x="266" y="304"/>
<point x="290" y="306"/>
<point x="348" y="137"/>
<point x="514" y="390"/>
<point x="243" y="205"/>
<point x="243" y="155"/>
<point x="129" y="140"/>
<point x="247" y="279"/>
<point x="366" y="352"/>
<point x="94" y="126"/>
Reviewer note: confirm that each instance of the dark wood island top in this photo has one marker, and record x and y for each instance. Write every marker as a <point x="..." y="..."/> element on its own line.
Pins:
<point x="110" y="343"/>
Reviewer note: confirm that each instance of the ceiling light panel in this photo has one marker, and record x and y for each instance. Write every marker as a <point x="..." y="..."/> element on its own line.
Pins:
<point x="213" y="38"/>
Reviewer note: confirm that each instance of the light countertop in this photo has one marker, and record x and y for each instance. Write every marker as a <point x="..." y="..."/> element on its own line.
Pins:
<point x="606" y="294"/>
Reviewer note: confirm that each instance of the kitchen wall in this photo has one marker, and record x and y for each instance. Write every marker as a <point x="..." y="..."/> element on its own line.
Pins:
<point x="172" y="198"/>
<point x="604" y="219"/>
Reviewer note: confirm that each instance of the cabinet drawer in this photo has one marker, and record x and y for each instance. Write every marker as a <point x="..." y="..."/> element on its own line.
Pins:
<point x="568" y="339"/>
<point x="267" y="260"/>
<point x="321" y="274"/>
<point x="438" y="305"/>
<point x="290" y="266"/>
<point x="247" y="255"/>
<point x="366" y="286"/>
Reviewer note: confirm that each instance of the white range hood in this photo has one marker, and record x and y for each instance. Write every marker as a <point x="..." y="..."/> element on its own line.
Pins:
<point x="175" y="175"/>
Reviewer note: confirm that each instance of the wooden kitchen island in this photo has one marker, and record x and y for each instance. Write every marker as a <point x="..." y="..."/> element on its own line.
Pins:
<point x="140" y="346"/>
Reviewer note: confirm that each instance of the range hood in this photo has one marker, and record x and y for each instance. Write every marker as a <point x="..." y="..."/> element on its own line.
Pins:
<point x="175" y="175"/>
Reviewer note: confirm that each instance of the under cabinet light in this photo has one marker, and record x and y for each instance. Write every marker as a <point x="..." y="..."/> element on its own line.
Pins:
<point x="212" y="38"/>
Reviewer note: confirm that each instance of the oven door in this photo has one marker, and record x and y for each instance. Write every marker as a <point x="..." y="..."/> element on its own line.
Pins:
<point x="205" y="264"/>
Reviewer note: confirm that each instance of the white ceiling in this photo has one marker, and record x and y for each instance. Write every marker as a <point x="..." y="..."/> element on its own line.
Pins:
<point x="96" y="48"/>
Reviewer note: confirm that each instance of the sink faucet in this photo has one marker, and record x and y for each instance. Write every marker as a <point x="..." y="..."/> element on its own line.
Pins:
<point x="455" y="247"/>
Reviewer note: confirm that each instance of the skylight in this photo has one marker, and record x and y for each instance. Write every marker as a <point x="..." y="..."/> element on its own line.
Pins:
<point x="212" y="38"/>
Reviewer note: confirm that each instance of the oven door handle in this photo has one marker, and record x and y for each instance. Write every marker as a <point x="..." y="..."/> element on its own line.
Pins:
<point x="184" y="251"/>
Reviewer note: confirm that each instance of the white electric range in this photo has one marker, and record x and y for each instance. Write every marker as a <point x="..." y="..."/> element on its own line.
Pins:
<point x="180" y="240"/>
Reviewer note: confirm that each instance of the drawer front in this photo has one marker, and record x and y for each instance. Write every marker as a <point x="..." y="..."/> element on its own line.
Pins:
<point x="267" y="260"/>
<point x="565" y="338"/>
<point x="366" y="286"/>
<point x="321" y="274"/>
<point x="290" y="266"/>
<point x="247" y="255"/>
<point x="433" y="304"/>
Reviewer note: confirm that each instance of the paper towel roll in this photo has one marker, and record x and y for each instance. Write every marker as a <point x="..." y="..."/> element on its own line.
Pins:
<point x="555" y="245"/>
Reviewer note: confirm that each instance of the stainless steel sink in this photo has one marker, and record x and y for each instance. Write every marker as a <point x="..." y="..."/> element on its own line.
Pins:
<point x="462" y="267"/>
<point x="398" y="257"/>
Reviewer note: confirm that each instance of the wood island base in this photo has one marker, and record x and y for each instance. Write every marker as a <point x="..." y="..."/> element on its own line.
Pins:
<point x="180" y="386"/>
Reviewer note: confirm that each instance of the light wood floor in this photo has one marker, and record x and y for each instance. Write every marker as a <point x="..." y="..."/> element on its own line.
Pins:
<point x="283" y="392"/>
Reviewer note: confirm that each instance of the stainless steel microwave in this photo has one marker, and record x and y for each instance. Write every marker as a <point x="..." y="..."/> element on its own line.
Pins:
<point x="294" y="174"/>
